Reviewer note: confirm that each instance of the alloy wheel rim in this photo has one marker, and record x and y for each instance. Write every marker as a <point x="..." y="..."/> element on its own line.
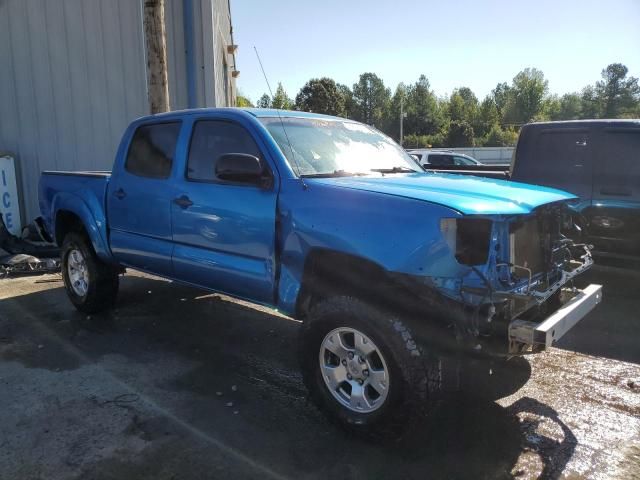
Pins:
<point x="354" y="370"/>
<point x="78" y="272"/>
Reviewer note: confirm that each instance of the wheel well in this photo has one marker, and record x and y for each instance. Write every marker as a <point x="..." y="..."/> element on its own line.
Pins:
<point x="329" y="273"/>
<point x="66" y="222"/>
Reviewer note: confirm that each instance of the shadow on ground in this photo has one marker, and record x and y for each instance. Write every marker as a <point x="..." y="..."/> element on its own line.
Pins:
<point x="613" y="328"/>
<point x="213" y="352"/>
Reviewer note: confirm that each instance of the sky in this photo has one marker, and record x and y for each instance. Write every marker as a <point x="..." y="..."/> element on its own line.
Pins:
<point x="455" y="43"/>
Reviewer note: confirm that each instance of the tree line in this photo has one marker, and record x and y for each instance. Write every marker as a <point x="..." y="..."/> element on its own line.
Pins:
<point x="461" y="119"/>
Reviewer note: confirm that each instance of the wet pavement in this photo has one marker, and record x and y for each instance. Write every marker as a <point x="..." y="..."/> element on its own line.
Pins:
<point x="176" y="383"/>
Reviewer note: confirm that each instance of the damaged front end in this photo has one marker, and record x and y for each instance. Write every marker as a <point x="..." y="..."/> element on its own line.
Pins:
<point x="517" y="294"/>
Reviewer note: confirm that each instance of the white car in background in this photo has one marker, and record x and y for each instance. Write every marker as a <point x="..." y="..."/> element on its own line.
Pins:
<point x="441" y="158"/>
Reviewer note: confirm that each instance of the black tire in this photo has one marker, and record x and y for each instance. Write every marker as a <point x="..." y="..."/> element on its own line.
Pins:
<point x="102" y="288"/>
<point x="414" y="380"/>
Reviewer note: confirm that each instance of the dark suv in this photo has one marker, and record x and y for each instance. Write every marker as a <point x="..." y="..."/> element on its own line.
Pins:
<point x="597" y="160"/>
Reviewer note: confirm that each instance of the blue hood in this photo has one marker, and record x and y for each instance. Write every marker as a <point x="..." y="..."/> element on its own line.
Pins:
<point x="466" y="194"/>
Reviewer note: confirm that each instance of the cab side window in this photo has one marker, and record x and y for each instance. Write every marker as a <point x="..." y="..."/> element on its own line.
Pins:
<point x="618" y="172"/>
<point x="440" y="160"/>
<point x="212" y="139"/>
<point x="461" y="161"/>
<point x="152" y="150"/>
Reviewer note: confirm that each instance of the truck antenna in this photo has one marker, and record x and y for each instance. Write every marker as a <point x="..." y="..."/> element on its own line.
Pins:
<point x="293" y="155"/>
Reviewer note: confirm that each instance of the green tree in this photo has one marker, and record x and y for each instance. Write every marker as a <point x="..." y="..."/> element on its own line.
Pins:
<point x="488" y="116"/>
<point x="321" y="95"/>
<point x="525" y="97"/>
<point x="349" y="102"/>
<point x="425" y="116"/>
<point x="590" y="104"/>
<point x="264" y="101"/>
<point x="242" y="101"/>
<point x="371" y="99"/>
<point x="500" y="96"/>
<point x="617" y="94"/>
<point x="499" y="137"/>
<point x="281" y="100"/>
<point x="392" y="116"/>
<point x="566" y="107"/>
<point x="460" y="134"/>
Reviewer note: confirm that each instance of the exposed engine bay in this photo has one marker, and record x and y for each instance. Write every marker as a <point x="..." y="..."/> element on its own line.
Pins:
<point x="520" y="271"/>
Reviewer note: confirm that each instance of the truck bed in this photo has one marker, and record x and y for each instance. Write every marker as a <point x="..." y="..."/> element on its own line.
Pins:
<point x="59" y="188"/>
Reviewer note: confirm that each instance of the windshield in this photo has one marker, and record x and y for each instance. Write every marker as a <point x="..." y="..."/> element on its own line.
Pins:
<point x="334" y="147"/>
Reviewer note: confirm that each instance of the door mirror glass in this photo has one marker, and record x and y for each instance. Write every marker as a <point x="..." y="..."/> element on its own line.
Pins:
<point x="241" y="168"/>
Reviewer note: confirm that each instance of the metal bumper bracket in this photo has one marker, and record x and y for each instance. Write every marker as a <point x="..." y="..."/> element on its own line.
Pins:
<point x="555" y="326"/>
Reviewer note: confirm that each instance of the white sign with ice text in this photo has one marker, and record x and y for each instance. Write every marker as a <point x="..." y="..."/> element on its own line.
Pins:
<point x="9" y="205"/>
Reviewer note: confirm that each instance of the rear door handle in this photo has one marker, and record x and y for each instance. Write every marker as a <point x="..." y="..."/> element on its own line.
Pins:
<point x="120" y="194"/>
<point x="183" y="201"/>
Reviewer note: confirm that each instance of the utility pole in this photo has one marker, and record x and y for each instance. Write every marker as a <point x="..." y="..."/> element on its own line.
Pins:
<point x="156" y="46"/>
<point x="401" y="119"/>
<point x="402" y="114"/>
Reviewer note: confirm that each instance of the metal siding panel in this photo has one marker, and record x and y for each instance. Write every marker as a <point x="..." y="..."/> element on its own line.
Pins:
<point x="62" y="95"/>
<point x="9" y="129"/>
<point x="208" y="55"/>
<point x="77" y="76"/>
<point x="142" y="70"/>
<point x="99" y="103"/>
<point x="115" y="85"/>
<point x="198" y="55"/>
<point x="43" y="90"/>
<point x="76" y="51"/>
<point x="174" y="19"/>
<point x="27" y="116"/>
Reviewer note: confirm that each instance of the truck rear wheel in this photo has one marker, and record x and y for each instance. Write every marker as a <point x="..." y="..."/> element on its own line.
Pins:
<point x="362" y="367"/>
<point x="91" y="284"/>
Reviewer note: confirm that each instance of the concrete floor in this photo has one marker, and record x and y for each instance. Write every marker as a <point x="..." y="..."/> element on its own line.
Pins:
<point x="179" y="384"/>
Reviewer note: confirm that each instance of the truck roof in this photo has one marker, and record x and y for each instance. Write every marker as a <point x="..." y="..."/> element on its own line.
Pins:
<point x="599" y="121"/>
<point x="256" y="112"/>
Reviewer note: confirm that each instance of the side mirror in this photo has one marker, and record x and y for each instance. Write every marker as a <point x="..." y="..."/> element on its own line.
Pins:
<point x="242" y="168"/>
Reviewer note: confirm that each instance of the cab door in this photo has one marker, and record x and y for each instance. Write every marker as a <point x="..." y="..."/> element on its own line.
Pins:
<point x="614" y="218"/>
<point x="224" y="232"/>
<point x="139" y="199"/>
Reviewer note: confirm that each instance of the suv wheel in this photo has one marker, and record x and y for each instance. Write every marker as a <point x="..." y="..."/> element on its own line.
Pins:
<point x="91" y="284"/>
<point x="362" y="367"/>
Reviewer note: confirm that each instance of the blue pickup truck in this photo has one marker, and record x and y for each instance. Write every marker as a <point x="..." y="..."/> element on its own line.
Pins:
<point x="390" y="268"/>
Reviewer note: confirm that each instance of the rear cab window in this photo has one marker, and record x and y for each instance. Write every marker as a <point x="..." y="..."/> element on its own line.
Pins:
<point x="555" y="156"/>
<point x="152" y="150"/>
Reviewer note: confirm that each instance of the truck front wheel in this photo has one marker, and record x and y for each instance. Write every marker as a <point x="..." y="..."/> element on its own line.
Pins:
<point x="91" y="284"/>
<point x="362" y="367"/>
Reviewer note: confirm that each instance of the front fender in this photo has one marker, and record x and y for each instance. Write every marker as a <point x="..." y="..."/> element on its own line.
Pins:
<point x="91" y="214"/>
<point x="400" y="235"/>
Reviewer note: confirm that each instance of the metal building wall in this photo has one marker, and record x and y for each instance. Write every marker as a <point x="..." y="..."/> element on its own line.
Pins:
<point x="73" y="75"/>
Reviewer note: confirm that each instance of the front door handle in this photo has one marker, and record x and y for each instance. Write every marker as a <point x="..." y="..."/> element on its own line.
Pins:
<point x="183" y="201"/>
<point x="120" y="194"/>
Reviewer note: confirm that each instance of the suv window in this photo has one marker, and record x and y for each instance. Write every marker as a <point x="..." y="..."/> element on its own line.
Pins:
<point x="152" y="150"/>
<point x="210" y="140"/>
<point x="462" y="161"/>
<point x="440" y="159"/>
